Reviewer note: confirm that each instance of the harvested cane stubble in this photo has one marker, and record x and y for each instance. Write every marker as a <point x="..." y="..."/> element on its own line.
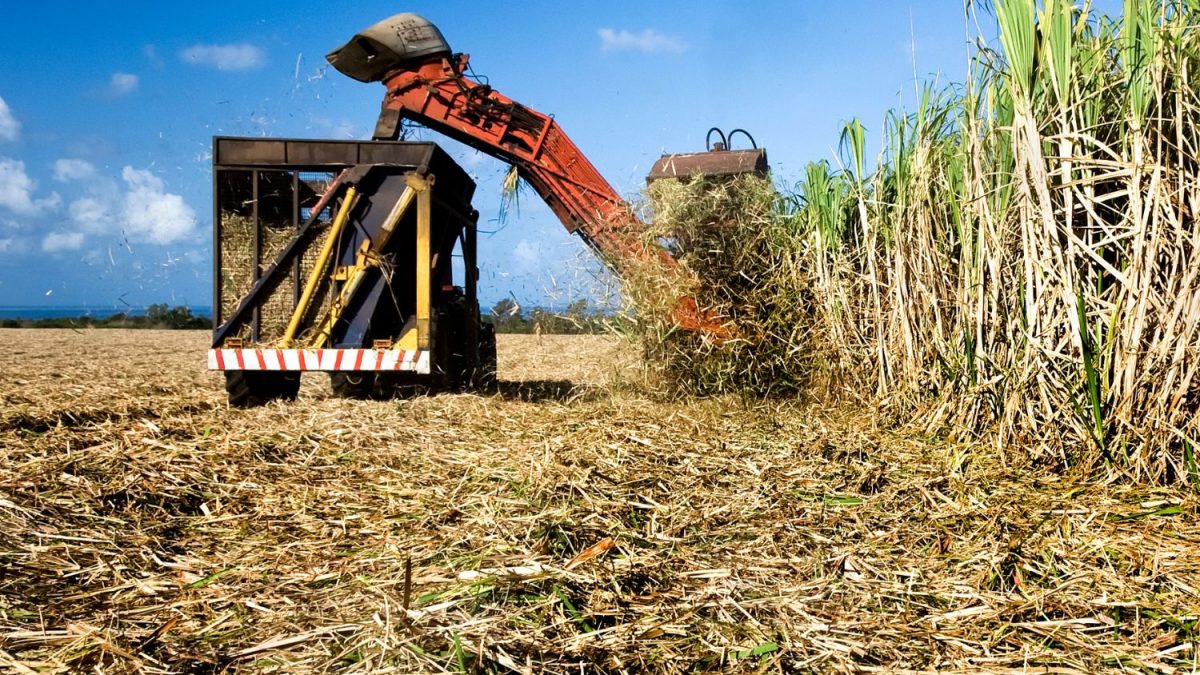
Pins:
<point x="574" y="520"/>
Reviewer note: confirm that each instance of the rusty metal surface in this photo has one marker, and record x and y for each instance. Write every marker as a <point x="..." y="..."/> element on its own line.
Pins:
<point x="301" y="153"/>
<point x="714" y="163"/>
<point x="441" y="94"/>
<point x="322" y="155"/>
<point x="397" y="40"/>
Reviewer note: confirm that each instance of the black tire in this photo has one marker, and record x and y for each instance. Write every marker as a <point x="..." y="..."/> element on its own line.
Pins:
<point x="356" y="385"/>
<point x="454" y="352"/>
<point x="472" y="367"/>
<point x="250" y="389"/>
<point x="367" y="386"/>
<point x="485" y="374"/>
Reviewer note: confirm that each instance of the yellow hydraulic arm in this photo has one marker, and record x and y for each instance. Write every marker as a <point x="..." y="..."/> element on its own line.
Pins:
<point x="368" y="256"/>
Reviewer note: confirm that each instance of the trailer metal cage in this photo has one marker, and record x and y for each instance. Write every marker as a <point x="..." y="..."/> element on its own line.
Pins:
<point x="337" y="256"/>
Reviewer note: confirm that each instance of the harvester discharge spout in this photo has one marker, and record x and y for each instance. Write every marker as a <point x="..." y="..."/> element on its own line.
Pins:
<point x="429" y="84"/>
<point x="389" y="45"/>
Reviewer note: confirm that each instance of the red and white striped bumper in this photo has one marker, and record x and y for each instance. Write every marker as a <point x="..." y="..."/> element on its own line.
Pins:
<point x="319" y="359"/>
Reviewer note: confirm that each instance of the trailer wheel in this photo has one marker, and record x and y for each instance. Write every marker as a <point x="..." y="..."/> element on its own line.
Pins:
<point x="352" y="384"/>
<point x="369" y="386"/>
<point x="249" y="389"/>
<point x="485" y="374"/>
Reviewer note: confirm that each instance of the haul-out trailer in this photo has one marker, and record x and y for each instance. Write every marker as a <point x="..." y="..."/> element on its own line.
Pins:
<point x="340" y="256"/>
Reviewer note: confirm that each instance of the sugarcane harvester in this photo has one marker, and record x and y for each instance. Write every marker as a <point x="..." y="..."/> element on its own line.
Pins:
<point x="372" y="296"/>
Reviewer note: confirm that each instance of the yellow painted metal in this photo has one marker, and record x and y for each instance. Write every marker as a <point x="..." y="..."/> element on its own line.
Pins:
<point x="416" y="332"/>
<point x="368" y="257"/>
<point x="407" y="342"/>
<point x="314" y="277"/>
<point x="424" y="271"/>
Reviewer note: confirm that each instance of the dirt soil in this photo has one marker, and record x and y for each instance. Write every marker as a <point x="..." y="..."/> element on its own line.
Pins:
<point x="571" y="523"/>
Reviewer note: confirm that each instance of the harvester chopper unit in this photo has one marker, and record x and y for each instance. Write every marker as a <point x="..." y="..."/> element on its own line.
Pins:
<point x="361" y="236"/>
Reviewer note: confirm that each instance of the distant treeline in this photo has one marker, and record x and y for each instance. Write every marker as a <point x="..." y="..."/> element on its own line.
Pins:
<point x="577" y="319"/>
<point x="156" y="316"/>
<point x="506" y="315"/>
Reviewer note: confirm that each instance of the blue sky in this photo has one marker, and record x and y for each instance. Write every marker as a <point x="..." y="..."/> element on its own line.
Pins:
<point x="107" y="118"/>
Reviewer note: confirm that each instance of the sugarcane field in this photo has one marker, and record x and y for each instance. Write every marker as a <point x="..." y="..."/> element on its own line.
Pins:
<point x="919" y="392"/>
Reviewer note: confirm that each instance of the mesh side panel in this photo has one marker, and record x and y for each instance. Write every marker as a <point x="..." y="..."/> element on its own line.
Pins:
<point x="277" y="225"/>
<point x="320" y="299"/>
<point x="237" y="262"/>
<point x="276" y="311"/>
<point x="316" y="184"/>
<point x="275" y="201"/>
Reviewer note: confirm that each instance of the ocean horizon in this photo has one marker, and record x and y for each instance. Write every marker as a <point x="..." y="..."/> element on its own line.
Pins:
<point x="93" y="311"/>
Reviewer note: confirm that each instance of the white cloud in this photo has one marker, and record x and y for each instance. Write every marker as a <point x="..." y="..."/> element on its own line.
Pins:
<point x="649" y="40"/>
<point x="16" y="190"/>
<point x="62" y="241"/>
<point x="225" y="57"/>
<point x="151" y="214"/>
<point x="16" y="187"/>
<point x="92" y="257"/>
<point x="10" y="126"/>
<point x="121" y="84"/>
<point x="138" y="204"/>
<point x="151" y="54"/>
<point x="90" y="213"/>
<point x="527" y="256"/>
<point x="93" y="213"/>
<point x="67" y="170"/>
<point x="8" y="245"/>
